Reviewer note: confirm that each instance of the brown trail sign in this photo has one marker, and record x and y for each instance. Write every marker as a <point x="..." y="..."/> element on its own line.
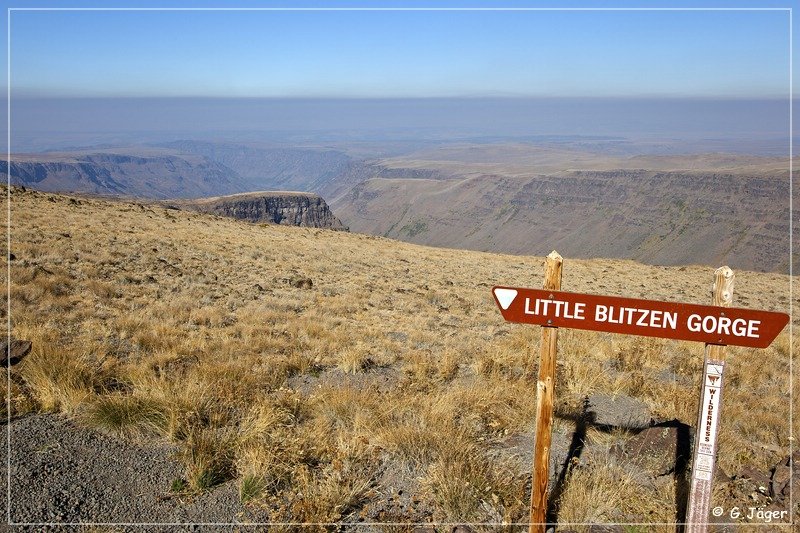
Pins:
<point x="716" y="325"/>
<point x="652" y="318"/>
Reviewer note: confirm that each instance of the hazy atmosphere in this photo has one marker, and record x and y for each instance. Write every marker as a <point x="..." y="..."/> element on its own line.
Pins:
<point x="420" y="71"/>
<point x="267" y="262"/>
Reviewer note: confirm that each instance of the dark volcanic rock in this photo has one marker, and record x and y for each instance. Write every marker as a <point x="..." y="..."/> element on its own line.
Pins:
<point x="301" y="282"/>
<point x="658" y="450"/>
<point x="13" y="352"/>
<point x="619" y="411"/>
<point x="287" y="208"/>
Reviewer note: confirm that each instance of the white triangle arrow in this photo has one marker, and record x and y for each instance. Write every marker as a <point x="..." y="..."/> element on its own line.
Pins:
<point x="505" y="297"/>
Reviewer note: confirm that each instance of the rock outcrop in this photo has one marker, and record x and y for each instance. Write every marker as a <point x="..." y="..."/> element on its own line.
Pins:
<point x="287" y="208"/>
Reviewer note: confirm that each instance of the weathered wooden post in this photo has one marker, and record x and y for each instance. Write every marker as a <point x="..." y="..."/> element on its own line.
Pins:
<point x="544" y="404"/>
<point x="705" y="440"/>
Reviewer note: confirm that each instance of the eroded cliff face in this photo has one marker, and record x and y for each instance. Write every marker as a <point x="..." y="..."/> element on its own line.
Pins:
<point x="665" y="218"/>
<point x="158" y="176"/>
<point x="290" y="209"/>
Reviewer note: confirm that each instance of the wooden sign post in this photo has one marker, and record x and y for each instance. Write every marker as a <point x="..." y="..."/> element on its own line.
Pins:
<point x="544" y="405"/>
<point x="716" y="325"/>
<point x="705" y="440"/>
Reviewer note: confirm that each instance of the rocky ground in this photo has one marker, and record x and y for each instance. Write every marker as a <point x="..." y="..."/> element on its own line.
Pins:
<point x="65" y="474"/>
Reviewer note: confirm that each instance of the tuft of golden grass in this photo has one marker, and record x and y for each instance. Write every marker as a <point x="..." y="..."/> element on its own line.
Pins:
<point x="395" y="368"/>
<point x="57" y="379"/>
<point x="208" y="454"/>
<point x="469" y="486"/>
<point x="333" y="492"/>
<point x="355" y="358"/>
<point x="125" y="416"/>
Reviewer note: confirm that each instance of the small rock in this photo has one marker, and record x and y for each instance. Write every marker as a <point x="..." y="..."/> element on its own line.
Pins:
<point x="670" y="376"/>
<point x="780" y="479"/>
<point x="655" y="449"/>
<point x="13" y="352"/>
<point x="301" y="282"/>
<point x="619" y="411"/>
<point x="759" y="480"/>
<point x="398" y="336"/>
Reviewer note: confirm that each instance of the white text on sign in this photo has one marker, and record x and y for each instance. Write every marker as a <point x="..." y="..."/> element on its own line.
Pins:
<point x="723" y="325"/>
<point x="555" y="308"/>
<point x="647" y="318"/>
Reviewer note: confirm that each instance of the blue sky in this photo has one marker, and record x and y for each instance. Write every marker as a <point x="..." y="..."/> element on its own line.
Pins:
<point x="401" y="53"/>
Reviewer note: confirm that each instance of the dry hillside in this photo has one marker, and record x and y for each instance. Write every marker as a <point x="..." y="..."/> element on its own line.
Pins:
<point x="336" y="377"/>
<point x="526" y="198"/>
<point x="663" y="218"/>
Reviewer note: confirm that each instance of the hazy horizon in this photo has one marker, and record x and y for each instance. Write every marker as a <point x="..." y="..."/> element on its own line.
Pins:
<point x="432" y="119"/>
<point x="376" y="72"/>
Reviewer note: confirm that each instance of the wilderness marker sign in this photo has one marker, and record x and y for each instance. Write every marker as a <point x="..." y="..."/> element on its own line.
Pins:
<point x="716" y="325"/>
<point x="651" y="318"/>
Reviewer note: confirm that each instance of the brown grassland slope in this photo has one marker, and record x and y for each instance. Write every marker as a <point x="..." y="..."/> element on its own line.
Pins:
<point x="390" y="378"/>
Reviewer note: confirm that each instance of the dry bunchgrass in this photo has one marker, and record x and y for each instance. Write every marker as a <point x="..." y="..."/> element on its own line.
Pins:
<point x="59" y="379"/>
<point x="469" y="486"/>
<point x="124" y="415"/>
<point x="330" y="493"/>
<point x="605" y="491"/>
<point x="395" y="368"/>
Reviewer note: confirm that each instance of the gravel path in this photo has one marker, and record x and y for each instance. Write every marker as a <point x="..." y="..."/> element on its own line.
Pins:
<point x="64" y="474"/>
